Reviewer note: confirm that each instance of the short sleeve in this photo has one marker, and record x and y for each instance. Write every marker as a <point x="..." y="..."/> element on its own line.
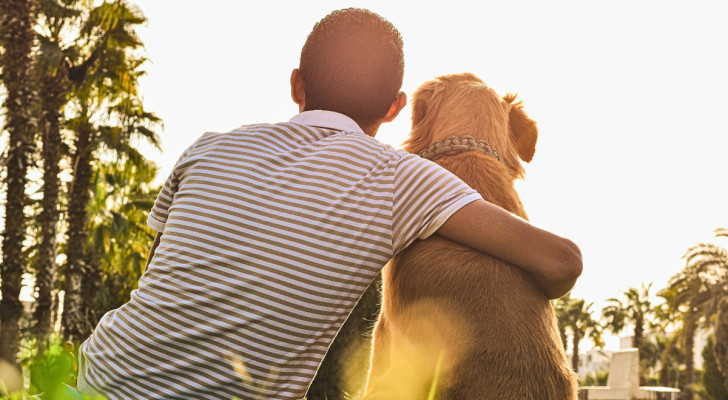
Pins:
<point x="160" y="211"/>
<point x="425" y="196"/>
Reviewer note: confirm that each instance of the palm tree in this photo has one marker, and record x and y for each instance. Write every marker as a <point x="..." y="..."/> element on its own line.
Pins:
<point x="53" y="68"/>
<point x="671" y="358"/>
<point x="561" y="310"/>
<point x="668" y="321"/>
<point x="698" y="292"/>
<point x="82" y="52"/>
<point x="119" y="238"/>
<point x="634" y="310"/>
<point x="574" y="317"/>
<point x="715" y="382"/>
<point x="721" y="334"/>
<point x="17" y="18"/>
<point x="687" y="295"/>
<point x="72" y="320"/>
<point x="111" y="78"/>
<point x="113" y="145"/>
<point x="52" y="93"/>
<point x="710" y="262"/>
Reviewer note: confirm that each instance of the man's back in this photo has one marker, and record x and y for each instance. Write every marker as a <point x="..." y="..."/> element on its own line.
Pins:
<point x="271" y="233"/>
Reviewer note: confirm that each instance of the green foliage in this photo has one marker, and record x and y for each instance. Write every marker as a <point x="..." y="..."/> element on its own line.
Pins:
<point x="574" y="317"/>
<point x="634" y="310"/>
<point x="108" y="119"/>
<point x="119" y="238"/>
<point x="721" y="337"/>
<point x="715" y="383"/>
<point x="596" y="379"/>
<point x="695" y="295"/>
<point x="651" y="351"/>
<point x="56" y="366"/>
<point x="52" y="375"/>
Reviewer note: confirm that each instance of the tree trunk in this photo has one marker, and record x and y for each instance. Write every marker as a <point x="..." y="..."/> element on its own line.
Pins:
<point x="562" y="335"/>
<point x="664" y="360"/>
<point x="73" y="319"/>
<point x="715" y="384"/>
<point x="721" y="337"/>
<point x="90" y="285"/>
<point x="54" y="88"/>
<point x="665" y="375"/>
<point x="17" y="19"/>
<point x="638" y="333"/>
<point x="689" y="357"/>
<point x="637" y="343"/>
<point x="575" y="350"/>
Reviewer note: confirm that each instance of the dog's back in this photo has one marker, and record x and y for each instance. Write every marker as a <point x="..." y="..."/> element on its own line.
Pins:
<point x="482" y="323"/>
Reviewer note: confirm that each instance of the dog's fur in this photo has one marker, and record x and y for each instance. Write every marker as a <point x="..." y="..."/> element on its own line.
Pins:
<point x="481" y="322"/>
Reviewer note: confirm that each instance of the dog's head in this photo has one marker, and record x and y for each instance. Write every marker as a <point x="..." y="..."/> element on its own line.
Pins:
<point x="463" y="104"/>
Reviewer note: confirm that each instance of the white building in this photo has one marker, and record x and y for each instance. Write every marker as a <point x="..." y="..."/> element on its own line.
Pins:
<point x="598" y="360"/>
<point x="700" y="339"/>
<point x="594" y="360"/>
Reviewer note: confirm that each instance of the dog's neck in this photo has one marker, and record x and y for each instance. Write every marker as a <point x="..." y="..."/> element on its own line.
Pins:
<point x="454" y="144"/>
<point x="494" y="181"/>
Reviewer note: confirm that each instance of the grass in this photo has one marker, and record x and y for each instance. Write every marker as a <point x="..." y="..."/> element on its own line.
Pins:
<point x="433" y="386"/>
<point x="53" y="375"/>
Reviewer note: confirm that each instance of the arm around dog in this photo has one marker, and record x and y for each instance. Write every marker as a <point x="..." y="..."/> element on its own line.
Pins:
<point x="554" y="261"/>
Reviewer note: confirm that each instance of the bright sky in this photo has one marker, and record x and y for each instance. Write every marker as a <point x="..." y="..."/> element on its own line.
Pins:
<point x="631" y="98"/>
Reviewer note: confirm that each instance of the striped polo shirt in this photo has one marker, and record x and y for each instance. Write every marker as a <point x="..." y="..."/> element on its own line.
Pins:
<point x="270" y="234"/>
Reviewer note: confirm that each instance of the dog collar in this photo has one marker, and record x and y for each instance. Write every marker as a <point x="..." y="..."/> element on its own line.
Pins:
<point x="454" y="145"/>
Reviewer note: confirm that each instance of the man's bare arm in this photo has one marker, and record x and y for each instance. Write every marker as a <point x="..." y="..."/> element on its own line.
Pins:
<point x="154" y="247"/>
<point x="554" y="261"/>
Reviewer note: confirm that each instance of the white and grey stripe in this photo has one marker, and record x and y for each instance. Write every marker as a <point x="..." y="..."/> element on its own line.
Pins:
<point x="271" y="233"/>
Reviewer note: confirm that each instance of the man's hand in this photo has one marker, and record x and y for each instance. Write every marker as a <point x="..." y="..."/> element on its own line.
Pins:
<point x="555" y="262"/>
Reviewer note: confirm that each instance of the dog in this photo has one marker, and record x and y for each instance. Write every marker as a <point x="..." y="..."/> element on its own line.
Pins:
<point x="454" y="321"/>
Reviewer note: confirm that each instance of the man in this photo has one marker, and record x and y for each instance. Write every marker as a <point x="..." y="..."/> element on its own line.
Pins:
<point x="269" y="234"/>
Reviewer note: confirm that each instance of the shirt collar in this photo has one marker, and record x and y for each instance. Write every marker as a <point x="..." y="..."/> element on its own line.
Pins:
<point x="327" y="119"/>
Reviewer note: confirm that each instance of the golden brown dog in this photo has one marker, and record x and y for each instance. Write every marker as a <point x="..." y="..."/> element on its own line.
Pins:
<point x="478" y="326"/>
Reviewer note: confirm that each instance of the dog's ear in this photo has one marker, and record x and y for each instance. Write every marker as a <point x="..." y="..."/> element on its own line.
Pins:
<point x="524" y="132"/>
<point x="425" y="107"/>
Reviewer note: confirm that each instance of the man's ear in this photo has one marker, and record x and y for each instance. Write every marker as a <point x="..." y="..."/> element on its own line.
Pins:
<point x="397" y="106"/>
<point x="298" y="94"/>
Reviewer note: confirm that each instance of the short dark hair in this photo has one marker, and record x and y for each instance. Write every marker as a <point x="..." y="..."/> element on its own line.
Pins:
<point x="353" y="63"/>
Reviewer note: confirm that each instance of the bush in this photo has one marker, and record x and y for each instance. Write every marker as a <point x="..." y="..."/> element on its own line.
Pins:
<point x="596" y="379"/>
<point x="715" y="384"/>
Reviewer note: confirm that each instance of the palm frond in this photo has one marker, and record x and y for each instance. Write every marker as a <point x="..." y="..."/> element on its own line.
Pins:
<point x="706" y="250"/>
<point x="50" y="55"/>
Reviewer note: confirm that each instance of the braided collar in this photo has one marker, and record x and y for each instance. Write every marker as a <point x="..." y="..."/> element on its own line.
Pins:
<point x="453" y="145"/>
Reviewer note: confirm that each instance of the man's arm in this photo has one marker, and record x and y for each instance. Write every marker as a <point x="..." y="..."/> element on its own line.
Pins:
<point x="154" y="247"/>
<point x="554" y="261"/>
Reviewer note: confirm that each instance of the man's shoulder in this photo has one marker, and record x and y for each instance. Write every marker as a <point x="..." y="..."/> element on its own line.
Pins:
<point x="372" y="148"/>
<point x="293" y="132"/>
<point x="248" y="129"/>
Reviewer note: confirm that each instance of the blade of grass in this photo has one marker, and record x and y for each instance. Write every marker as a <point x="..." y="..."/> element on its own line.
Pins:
<point x="433" y="386"/>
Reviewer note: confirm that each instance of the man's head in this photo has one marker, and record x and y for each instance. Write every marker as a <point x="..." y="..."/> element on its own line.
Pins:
<point x="353" y="63"/>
